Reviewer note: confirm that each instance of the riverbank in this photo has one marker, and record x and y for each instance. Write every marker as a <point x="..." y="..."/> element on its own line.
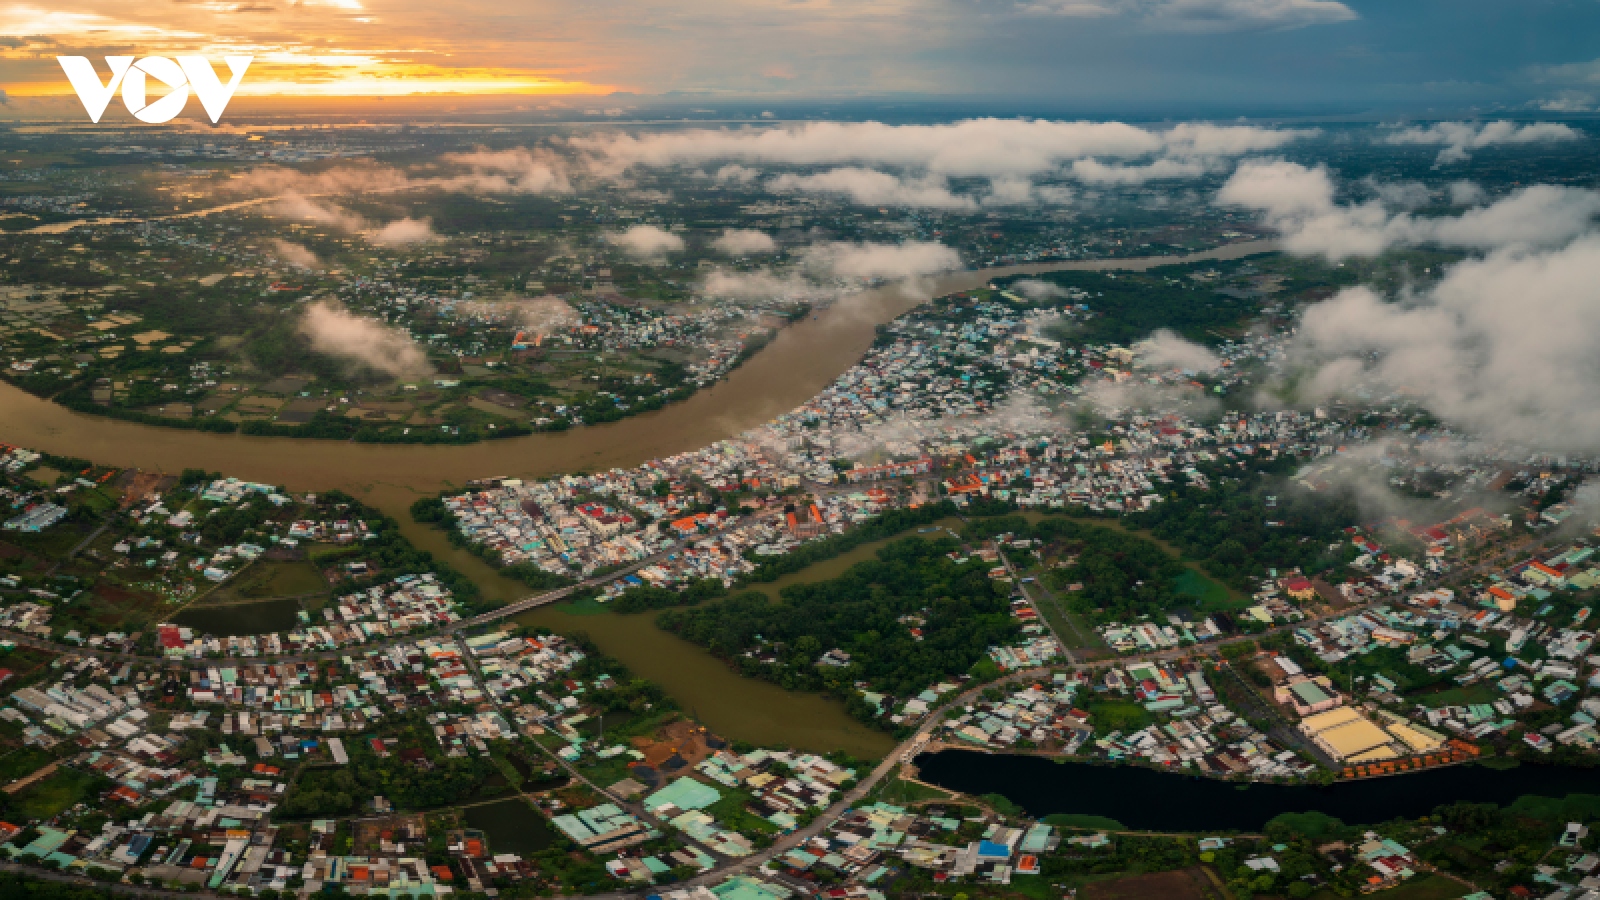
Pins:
<point x="802" y="360"/>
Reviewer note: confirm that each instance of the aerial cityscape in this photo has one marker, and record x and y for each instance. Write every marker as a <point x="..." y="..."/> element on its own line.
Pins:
<point x="1103" y="449"/>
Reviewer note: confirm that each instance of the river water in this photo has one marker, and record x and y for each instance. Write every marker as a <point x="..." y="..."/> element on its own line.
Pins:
<point x="802" y="360"/>
<point x="1148" y="800"/>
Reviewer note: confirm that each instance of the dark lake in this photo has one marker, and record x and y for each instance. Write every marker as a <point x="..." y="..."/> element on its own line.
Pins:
<point x="1148" y="800"/>
<point x="511" y="825"/>
<point x="236" y="619"/>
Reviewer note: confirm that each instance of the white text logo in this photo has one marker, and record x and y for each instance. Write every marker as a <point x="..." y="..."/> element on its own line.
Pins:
<point x="188" y="72"/>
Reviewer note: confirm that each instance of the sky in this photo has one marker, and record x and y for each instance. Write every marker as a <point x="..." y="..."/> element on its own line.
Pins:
<point x="1184" y="57"/>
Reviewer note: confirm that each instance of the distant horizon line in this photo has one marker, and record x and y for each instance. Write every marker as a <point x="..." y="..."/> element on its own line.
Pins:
<point x="579" y="108"/>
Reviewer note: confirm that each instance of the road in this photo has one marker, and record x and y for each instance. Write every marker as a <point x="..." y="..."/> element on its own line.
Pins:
<point x="511" y="609"/>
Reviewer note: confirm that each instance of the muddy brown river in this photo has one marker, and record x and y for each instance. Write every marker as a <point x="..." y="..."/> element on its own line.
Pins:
<point x="798" y="363"/>
<point x="802" y="360"/>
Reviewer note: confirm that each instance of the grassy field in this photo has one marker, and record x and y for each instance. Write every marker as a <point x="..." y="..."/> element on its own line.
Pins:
<point x="54" y="794"/>
<point x="1073" y="630"/>
<point x="733" y="812"/>
<point x="1208" y="593"/>
<point x="24" y="761"/>
<point x="1117" y="715"/>
<point x="897" y="792"/>
<point x="273" y="578"/>
<point x="1082" y="820"/>
<point x="1460" y="696"/>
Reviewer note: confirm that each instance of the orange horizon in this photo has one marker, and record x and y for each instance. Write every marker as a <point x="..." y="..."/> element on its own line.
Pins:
<point x="400" y="81"/>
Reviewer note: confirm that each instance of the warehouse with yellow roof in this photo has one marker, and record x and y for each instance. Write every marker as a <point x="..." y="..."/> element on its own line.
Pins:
<point x="1348" y="736"/>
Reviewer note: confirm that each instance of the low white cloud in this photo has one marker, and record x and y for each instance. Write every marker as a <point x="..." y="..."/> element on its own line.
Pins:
<point x="402" y="232"/>
<point x="744" y="242"/>
<point x="305" y="209"/>
<point x="1116" y="399"/>
<point x="514" y="171"/>
<point x="1093" y="171"/>
<point x="295" y="254"/>
<point x="1038" y="289"/>
<point x="825" y="271"/>
<point x="1205" y="15"/>
<point x="1503" y="346"/>
<point x="1459" y="139"/>
<point x="736" y="174"/>
<point x="1006" y="151"/>
<point x="539" y="316"/>
<point x="1399" y="194"/>
<point x="1466" y="193"/>
<point x="336" y="331"/>
<point x="908" y="260"/>
<point x="647" y="242"/>
<point x="763" y="285"/>
<point x="1166" y="349"/>
<point x="399" y="232"/>
<point x="869" y="187"/>
<point x="1299" y="203"/>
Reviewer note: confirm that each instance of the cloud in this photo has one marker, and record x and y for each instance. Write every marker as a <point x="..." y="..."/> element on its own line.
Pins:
<point x="870" y="187"/>
<point x="515" y="171"/>
<point x="908" y="260"/>
<point x="1361" y="472"/>
<point x="402" y="232"/>
<point x="822" y="266"/>
<point x="737" y="174"/>
<point x="1466" y="193"/>
<point x="744" y="242"/>
<point x="981" y="148"/>
<point x="647" y="241"/>
<point x="393" y="234"/>
<point x="1092" y="171"/>
<point x="347" y="179"/>
<point x="295" y="254"/>
<point x="1036" y="289"/>
<point x="5" y="99"/>
<point x="763" y="285"/>
<point x="305" y="209"/>
<point x="335" y="331"/>
<point x="1459" y="138"/>
<point x="1567" y="102"/>
<point x="1399" y="194"/>
<point x="1165" y="349"/>
<point x="1206" y="15"/>
<point x="1299" y="203"/>
<point x="1503" y="346"/>
<point x="1114" y="399"/>
<point x="539" y="315"/>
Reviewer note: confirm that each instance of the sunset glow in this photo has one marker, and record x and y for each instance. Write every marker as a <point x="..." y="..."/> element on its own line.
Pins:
<point x="344" y="52"/>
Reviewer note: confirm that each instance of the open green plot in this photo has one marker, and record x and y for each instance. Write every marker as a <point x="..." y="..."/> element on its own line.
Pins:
<point x="62" y="790"/>
<point x="1470" y="695"/>
<point x="733" y="811"/>
<point x="1117" y="715"/>
<point x="273" y="578"/>
<point x="897" y="791"/>
<point x="24" y="761"/>
<point x="1075" y="633"/>
<point x="1206" y="592"/>
<point x="1083" y="820"/>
